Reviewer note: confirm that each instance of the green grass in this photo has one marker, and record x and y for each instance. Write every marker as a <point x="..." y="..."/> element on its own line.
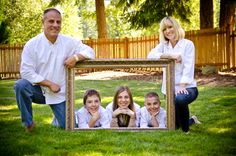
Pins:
<point x="215" y="107"/>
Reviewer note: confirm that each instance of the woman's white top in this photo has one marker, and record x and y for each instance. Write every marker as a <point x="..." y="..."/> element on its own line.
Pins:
<point x="145" y="120"/>
<point x="109" y="109"/>
<point x="184" y="71"/>
<point x="82" y="118"/>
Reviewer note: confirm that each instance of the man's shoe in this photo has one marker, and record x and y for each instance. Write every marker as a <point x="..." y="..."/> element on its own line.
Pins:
<point x="195" y="119"/>
<point x="30" y="128"/>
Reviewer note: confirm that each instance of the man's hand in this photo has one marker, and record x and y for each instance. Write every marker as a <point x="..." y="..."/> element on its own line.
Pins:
<point x="70" y="62"/>
<point x="55" y="88"/>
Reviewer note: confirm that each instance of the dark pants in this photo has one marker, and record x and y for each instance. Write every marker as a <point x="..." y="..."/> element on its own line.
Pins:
<point x="181" y="108"/>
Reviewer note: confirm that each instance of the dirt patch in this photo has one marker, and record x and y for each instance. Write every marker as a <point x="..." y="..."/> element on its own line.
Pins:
<point x="217" y="79"/>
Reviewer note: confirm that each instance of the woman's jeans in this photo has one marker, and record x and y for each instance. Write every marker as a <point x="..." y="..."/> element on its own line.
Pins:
<point x="182" y="110"/>
<point x="26" y="93"/>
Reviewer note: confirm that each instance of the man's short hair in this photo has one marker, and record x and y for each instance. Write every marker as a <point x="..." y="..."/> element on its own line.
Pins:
<point x="51" y="9"/>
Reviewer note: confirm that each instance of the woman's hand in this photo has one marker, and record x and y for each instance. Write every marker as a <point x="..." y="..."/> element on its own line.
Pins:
<point x="123" y="111"/>
<point x="182" y="89"/>
<point x="130" y="113"/>
<point x="176" y="57"/>
<point x="117" y="112"/>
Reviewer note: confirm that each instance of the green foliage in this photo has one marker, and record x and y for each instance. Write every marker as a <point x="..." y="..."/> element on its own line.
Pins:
<point x="4" y="31"/>
<point x="215" y="107"/>
<point x="71" y="22"/>
<point x="23" y="19"/>
<point x="149" y="12"/>
<point x="87" y="14"/>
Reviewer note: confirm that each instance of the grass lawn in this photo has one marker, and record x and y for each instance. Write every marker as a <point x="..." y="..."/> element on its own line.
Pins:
<point x="215" y="108"/>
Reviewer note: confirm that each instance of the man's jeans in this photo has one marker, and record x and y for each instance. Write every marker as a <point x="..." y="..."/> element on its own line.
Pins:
<point x="26" y="93"/>
<point x="181" y="108"/>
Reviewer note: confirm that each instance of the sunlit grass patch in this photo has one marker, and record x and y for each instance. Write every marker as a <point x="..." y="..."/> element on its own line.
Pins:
<point x="215" y="108"/>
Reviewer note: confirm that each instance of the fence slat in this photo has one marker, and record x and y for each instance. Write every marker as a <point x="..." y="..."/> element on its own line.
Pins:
<point x="211" y="49"/>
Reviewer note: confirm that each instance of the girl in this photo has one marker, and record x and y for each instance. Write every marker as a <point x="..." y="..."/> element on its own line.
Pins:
<point x="123" y="112"/>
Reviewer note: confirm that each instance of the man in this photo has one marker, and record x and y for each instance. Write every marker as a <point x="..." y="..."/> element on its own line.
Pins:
<point x="43" y="64"/>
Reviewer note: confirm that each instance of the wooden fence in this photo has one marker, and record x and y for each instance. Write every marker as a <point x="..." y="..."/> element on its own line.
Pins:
<point x="213" y="47"/>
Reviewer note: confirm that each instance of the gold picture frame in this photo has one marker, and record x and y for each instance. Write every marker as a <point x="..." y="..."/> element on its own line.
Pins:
<point x="121" y="64"/>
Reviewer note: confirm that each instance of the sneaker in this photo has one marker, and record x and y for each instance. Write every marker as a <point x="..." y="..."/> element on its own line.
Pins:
<point x="196" y="121"/>
<point x="30" y="128"/>
<point x="187" y="132"/>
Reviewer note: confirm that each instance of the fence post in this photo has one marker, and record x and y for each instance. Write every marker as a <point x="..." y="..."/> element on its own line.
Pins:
<point x="228" y="46"/>
<point x="126" y="54"/>
<point x="233" y="49"/>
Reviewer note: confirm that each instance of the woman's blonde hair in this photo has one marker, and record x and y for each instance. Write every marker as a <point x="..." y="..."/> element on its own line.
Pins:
<point x="177" y="27"/>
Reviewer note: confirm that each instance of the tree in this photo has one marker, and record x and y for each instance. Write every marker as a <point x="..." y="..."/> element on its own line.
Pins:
<point x="101" y="19"/>
<point x="143" y="14"/>
<point x="100" y="13"/>
<point x="4" y="33"/>
<point x="206" y="14"/>
<point x="227" y="13"/>
<point x="22" y="19"/>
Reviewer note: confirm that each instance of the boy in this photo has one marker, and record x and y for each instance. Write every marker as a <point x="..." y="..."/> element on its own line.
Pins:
<point x="152" y="115"/>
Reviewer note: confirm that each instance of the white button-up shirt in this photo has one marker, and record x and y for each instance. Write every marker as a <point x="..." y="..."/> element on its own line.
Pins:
<point x="184" y="71"/>
<point x="82" y="118"/>
<point x="42" y="60"/>
<point x="109" y="109"/>
<point x="145" y="120"/>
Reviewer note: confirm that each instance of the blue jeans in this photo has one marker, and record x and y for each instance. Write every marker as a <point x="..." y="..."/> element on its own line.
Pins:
<point x="26" y="93"/>
<point x="181" y="108"/>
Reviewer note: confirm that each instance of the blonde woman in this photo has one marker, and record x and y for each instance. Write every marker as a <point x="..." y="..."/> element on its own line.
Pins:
<point x="173" y="45"/>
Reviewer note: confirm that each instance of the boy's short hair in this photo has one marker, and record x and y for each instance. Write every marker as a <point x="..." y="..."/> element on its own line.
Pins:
<point x="152" y="94"/>
<point x="90" y="92"/>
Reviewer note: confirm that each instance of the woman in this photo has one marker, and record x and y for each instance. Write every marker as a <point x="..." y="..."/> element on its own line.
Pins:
<point x="173" y="46"/>
<point x="123" y="112"/>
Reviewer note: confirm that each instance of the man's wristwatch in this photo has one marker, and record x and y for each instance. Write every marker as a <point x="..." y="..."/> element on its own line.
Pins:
<point x="76" y="57"/>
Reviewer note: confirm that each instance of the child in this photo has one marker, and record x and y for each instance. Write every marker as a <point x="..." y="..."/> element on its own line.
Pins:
<point x="123" y="112"/>
<point x="152" y="115"/>
<point x="92" y="114"/>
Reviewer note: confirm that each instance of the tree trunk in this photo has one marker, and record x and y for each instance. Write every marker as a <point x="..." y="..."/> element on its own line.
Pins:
<point x="206" y="14"/>
<point x="227" y="14"/>
<point x="101" y="19"/>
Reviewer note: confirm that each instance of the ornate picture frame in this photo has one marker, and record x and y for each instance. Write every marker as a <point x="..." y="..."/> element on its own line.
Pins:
<point x="121" y="64"/>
